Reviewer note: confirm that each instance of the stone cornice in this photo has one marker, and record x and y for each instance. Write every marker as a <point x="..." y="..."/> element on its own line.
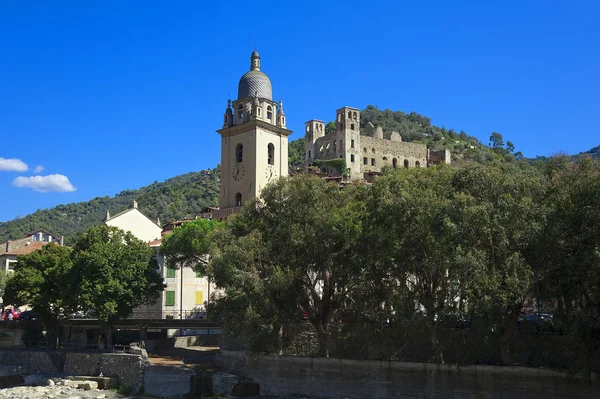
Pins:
<point x="244" y="127"/>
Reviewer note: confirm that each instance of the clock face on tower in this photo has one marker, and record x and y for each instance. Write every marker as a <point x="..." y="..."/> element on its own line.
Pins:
<point x="238" y="171"/>
<point x="270" y="173"/>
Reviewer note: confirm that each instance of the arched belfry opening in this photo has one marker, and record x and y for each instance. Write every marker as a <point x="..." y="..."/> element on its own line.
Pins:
<point x="271" y="154"/>
<point x="239" y="153"/>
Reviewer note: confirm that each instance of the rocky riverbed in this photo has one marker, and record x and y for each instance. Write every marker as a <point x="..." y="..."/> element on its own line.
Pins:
<point x="57" y="391"/>
<point x="66" y="392"/>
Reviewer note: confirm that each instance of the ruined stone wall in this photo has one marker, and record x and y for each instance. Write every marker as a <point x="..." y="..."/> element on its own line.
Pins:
<point x="329" y="147"/>
<point x="384" y="151"/>
<point x="353" y="379"/>
<point x="129" y="368"/>
<point x="48" y="362"/>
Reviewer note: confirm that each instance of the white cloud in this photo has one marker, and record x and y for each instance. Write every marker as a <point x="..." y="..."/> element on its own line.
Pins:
<point x="38" y="169"/>
<point x="12" y="165"/>
<point x="45" y="184"/>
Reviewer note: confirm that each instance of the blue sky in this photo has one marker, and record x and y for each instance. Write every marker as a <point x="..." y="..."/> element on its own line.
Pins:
<point x="115" y="95"/>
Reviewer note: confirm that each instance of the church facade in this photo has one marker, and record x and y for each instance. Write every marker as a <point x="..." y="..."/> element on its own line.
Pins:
<point x="254" y="139"/>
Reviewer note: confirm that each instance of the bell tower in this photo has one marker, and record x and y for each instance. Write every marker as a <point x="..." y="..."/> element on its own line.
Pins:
<point x="254" y="139"/>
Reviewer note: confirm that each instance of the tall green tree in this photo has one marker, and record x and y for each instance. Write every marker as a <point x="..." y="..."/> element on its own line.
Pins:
<point x="496" y="140"/>
<point x="503" y="218"/>
<point x="413" y="228"/>
<point x="42" y="279"/>
<point x="295" y="250"/>
<point x="567" y="258"/>
<point x="189" y="245"/>
<point x="113" y="273"/>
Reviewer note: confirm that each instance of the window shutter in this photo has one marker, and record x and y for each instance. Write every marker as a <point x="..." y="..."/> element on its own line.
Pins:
<point x="170" y="298"/>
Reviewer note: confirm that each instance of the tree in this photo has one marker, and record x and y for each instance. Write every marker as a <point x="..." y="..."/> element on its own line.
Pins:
<point x="496" y="140"/>
<point x="296" y="153"/>
<point x="567" y="258"/>
<point x="189" y="245"/>
<point x="413" y="235"/>
<point x="510" y="147"/>
<point x="330" y="127"/>
<point x="42" y="279"/>
<point x="2" y="281"/>
<point x="503" y="218"/>
<point x="113" y="273"/>
<point x="295" y="250"/>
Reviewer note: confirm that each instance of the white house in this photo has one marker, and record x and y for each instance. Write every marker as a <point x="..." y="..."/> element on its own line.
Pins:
<point x="187" y="291"/>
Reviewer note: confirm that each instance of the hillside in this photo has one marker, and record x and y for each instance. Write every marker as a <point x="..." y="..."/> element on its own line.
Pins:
<point x="176" y="198"/>
<point x="187" y="195"/>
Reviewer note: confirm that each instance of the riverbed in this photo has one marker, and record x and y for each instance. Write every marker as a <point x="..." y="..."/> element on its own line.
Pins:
<point x="64" y="392"/>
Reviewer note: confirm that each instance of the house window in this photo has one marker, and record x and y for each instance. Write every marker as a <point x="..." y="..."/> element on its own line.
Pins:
<point x="366" y="160"/>
<point x="351" y="143"/>
<point x="199" y="298"/>
<point x="239" y="153"/>
<point x="352" y="126"/>
<point x="238" y="199"/>
<point x="35" y="237"/>
<point x="271" y="152"/>
<point x="351" y="157"/>
<point x="170" y="298"/>
<point x="170" y="272"/>
<point x="372" y="161"/>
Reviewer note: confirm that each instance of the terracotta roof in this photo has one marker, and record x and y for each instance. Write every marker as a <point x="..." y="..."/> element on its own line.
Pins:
<point x="26" y="249"/>
<point x="155" y="243"/>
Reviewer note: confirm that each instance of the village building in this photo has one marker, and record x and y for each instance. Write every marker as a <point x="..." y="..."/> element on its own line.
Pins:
<point x="11" y="249"/>
<point x="186" y="290"/>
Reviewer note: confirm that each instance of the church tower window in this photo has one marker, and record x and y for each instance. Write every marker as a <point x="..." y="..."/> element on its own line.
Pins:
<point x="269" y="112"/>
<point x="271" y="154"/>
<point x="239" y="153"/>
<point x="238" y="199"/>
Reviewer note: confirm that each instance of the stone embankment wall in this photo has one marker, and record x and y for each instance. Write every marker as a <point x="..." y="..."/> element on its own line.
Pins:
<point x="129" y="368"/>
<point x="327" y="377"/>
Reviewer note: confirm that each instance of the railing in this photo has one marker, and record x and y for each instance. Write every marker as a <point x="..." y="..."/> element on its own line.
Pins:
<point x="171" y="314"/>
<point x="157" y="315"/>
<point x="75" y="347"/>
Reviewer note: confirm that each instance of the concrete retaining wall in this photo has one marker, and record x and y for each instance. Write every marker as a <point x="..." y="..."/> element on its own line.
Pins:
<point x="166" y="381"/>
<point x="354" y="379"/>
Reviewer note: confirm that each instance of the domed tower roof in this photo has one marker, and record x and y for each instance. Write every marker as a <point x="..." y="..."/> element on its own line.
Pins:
<point x="255" y="82"/>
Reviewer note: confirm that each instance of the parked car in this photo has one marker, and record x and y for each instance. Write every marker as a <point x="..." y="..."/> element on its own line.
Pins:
<point x="10" y="314"/>
<point x="537" y="323"/>
<point x="28" y="315"/>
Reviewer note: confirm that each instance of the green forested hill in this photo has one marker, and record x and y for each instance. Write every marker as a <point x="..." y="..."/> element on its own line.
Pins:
<point x="187" y="195"/>
<point x="176" y="198"/>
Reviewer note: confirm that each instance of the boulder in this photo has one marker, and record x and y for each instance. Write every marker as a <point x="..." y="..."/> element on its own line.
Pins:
<point x="88" y="385"/>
